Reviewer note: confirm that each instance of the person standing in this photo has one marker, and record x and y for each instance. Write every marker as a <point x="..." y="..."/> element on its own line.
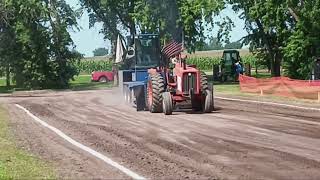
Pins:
<point x="317" y="69"/>
<point x="239" y="69"/>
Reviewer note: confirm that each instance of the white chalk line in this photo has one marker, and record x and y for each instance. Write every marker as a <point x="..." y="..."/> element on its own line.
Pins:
<point x="83" y="147"/>
<point x="269" y="103"/>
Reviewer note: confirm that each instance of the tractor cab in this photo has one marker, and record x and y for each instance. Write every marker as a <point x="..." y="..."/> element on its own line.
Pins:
<point x="143" y="51"/>
<point x="226" y="71"/>
<point x="230" y="57"/>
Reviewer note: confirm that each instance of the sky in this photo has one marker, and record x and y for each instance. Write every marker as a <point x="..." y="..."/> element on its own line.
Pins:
<point x="89" y="39"/>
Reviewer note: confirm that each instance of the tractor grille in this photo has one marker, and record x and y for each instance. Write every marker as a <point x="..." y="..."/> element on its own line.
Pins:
<point x="189" y="82"/>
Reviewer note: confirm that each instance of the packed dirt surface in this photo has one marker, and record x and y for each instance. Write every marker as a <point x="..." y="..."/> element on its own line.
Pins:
<point x="237" y="141"/>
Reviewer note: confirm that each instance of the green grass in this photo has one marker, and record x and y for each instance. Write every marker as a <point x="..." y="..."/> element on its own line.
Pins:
<point x="227" y="88"/>
<point x="232" y="89"/>
<point x="16" y="163"/>
<point x="261" y="75"/>
<point x="2" y="81"/>
<point x="3" y="88"/>
<point x="83" y="82"/>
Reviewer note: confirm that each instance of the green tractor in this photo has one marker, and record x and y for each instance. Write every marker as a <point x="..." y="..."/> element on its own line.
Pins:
<point x="226" y="70"/>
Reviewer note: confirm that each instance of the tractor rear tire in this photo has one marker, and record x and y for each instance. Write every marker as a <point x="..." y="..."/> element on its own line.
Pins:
<point x="208" y="104"/>
<point x="154" y="93"/>
<point x="204" y="82"/>
<point x="167" y="103"/>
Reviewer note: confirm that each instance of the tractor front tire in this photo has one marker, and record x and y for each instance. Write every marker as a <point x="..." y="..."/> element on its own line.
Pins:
<point x="207" y="100"/>
<point x="197" y="104"/>
<point x="208" y="104"/>
<point x="154" y="93"/>
<point x="167" y="103"/>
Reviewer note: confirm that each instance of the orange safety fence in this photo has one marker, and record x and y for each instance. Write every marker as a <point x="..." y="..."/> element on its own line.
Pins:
<point x="281" y="86"/>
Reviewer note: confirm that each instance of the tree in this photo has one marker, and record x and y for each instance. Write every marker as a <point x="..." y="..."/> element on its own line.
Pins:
<point x="195" y="16"/>
<point x="303" y="46"/>
<point x="233" y="45"/>
<point x="116" y="16"/>
<point x="286" y="31"/>
<point x="101" y="52"/>
<point x="6" y="52"/>
<point x="173" y="19"/>
<point x="38" y="47"/>
<point x="187" y="19"/>
<point x="213" y="44"/>
<point x="150" y="18"/>
<point x="5" y="15"/>
<point x="61" y="17"/>
<point x="269" y="26"/>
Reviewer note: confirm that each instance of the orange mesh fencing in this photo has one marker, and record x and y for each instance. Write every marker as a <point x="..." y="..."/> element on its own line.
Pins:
<point x="281" y="86"/>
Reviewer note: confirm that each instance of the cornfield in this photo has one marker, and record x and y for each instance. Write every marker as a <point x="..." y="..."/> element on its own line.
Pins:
<point x="90" y="66"/>
<point x="203" y="63"/>
<point x="207" y="63"/>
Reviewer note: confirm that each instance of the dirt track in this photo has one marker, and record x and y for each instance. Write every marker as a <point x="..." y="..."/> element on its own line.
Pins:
<point x="238" y="141"/>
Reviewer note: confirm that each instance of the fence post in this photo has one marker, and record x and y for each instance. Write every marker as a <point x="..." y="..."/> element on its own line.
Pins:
<point x="318" y="97"/>
<point x="261" y="92"/>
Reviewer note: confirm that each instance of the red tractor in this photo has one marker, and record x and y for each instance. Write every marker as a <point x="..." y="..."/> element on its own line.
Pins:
<point x="148" y="82"/>
<point x="183" y="83"/>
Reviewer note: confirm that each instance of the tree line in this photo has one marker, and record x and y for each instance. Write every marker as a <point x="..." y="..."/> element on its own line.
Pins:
<point x="215" y="44"/>
<point x="281" y="33"/>
<point x="37" y="51"/>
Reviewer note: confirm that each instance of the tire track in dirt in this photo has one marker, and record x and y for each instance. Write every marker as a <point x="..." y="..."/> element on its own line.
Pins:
<point x="173" y="156"/>
<point x="269" y="109"/>
<point x="255" y="130"/>
<point x="295" y="144"/>
<point x="70" y="163"/>
<point x="109" y="139"/>
<point x="126" y="145"/>
<point x="226" y="144"/>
